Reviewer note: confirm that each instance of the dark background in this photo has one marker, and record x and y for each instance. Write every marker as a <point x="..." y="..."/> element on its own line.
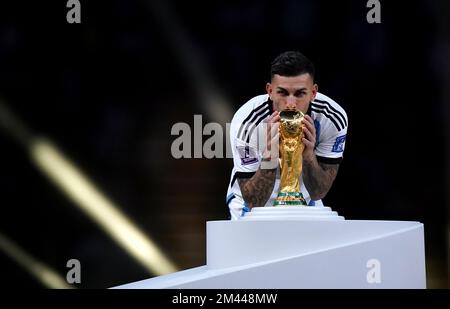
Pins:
<point x="108" y="91"/>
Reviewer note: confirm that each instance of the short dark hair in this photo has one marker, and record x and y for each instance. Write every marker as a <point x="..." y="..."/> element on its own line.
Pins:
<point x="292" y="63"/>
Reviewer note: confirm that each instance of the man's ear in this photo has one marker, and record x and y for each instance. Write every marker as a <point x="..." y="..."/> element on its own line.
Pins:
<point x="315" y="89"/>
<point x="269" y="89"/>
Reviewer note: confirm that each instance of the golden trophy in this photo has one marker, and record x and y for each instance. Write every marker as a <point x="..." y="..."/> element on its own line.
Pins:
<point x="291" y="150"/>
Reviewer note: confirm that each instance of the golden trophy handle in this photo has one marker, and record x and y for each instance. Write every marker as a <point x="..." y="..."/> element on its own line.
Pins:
<point x="291" y="150"/>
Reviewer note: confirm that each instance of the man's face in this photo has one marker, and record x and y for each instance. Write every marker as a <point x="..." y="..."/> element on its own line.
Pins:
<point x="292" y="93"/>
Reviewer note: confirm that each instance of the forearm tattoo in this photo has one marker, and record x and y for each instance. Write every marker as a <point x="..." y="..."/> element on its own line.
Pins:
<point x="256" y="191"/>
<point x="318" y="178"/>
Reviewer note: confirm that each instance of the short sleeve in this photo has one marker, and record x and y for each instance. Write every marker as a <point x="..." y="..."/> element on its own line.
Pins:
<point x="246" y="135"/>
<point x="246" y="150"/>
<point x="330" y="143"/>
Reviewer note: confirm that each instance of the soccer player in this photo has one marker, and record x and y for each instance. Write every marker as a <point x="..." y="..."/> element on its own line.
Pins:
<point x="255" y="177"/>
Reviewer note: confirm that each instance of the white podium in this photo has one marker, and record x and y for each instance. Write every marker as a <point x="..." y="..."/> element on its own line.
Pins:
<point x="298" y="252"/>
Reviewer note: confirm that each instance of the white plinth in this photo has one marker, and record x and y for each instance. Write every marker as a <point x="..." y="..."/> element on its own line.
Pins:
<point x="305" y="254"/>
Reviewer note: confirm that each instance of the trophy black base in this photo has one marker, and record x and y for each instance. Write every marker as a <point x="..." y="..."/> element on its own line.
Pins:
<point x="290" y="199"/>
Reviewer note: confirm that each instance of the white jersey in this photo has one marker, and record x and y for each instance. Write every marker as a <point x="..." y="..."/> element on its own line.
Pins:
<point x="330" y="121"/>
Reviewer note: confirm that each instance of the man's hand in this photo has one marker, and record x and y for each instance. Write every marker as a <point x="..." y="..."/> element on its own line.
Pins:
<point x="309" y="138"/>
<point x="318" y="177"/>
<point x="271" y="153"/>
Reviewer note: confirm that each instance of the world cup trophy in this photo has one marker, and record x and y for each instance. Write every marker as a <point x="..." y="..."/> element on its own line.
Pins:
<point x="291" y="150"/>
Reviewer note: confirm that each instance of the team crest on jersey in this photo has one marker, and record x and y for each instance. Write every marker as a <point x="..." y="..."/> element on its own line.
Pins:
<point x="339" y="144"/>
<point x="247" y="155"/>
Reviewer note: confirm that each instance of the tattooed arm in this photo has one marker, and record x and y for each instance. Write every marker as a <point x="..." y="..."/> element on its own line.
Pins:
<point x="256" y="191"/>
<point x="318" y="177"/>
